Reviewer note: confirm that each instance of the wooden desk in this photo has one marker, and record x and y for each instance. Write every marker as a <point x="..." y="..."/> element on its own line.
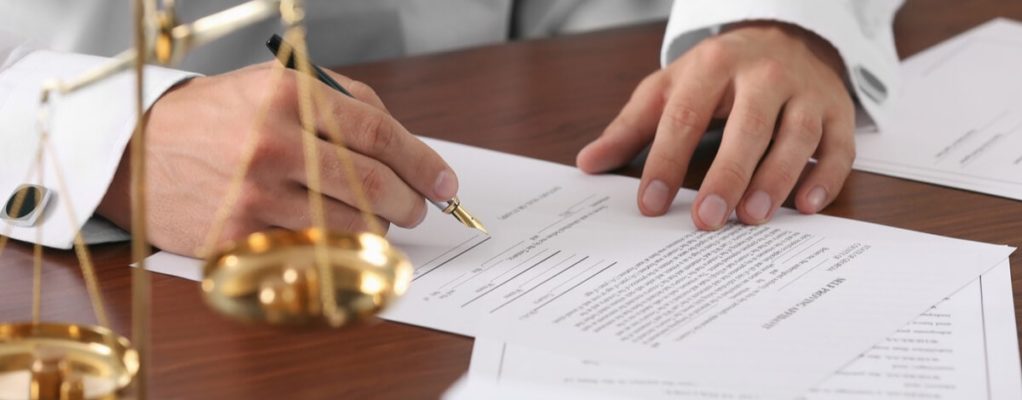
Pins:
<point x="542" y="99"/>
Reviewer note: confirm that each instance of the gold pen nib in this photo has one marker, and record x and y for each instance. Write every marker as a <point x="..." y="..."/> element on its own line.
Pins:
<point x="453" y="207"/>
<point x="462" y="215"/>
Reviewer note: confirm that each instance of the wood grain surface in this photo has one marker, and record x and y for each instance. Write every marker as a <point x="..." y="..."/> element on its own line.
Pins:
<point x="543" y="99"/>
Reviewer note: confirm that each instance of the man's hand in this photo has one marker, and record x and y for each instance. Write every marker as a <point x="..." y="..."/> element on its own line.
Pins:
<point x="782" y="91"/>
<point x="196" y="135"/>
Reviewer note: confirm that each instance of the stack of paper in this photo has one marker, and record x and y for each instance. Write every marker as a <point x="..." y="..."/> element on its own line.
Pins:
<point x="959" y="124"/>
<point x="573" y="269"/>
<point x="963" y="348"/>
<point x="958" y="120"/>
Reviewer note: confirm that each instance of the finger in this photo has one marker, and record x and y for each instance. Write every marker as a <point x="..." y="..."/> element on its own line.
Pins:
<point x="629" y="132"/>
<point x="747" y="134"/>
<point x="684" y="120"/>
<point x="388" y="195"/>
<point x="377" y="135"/>
<point x="835" y="156"/>
<point x="797" y="138"/>
<point x="291" y="210"/>
<point x="358" y="89"/>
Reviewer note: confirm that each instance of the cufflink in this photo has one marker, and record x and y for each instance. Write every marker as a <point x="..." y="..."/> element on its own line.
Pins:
<point x="870" y="84"/>
<point x="26" y="205"/>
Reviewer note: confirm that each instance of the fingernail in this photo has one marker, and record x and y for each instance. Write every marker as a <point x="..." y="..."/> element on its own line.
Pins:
<point x="446" y="185"/>
<point x="816" y="198"/>
<point x="758" y="206"/>
<point x="713" y="211"/>
<point x="654" y="199"/>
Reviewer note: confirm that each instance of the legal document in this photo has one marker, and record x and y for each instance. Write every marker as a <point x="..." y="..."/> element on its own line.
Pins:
<point x="958" y="120"/>
<point x="963" y="348"/>
<point x="572" y="265"/>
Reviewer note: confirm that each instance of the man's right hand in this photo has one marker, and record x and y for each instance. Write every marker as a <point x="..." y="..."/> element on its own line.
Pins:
<point x="196" y="138"/>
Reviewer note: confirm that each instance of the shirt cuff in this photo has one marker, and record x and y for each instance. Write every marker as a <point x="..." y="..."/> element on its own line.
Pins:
<point x="89" y="130"/>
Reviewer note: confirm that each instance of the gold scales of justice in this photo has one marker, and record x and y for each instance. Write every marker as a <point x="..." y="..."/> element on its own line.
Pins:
<point x="313" y="277"/>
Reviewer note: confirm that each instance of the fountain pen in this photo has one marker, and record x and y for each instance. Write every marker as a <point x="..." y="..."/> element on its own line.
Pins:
<point x="452" y="207"/>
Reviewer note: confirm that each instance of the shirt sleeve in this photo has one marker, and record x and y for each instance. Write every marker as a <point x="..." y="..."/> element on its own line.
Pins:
<point x="860" y="30"/>
<point x="89" y="130"/>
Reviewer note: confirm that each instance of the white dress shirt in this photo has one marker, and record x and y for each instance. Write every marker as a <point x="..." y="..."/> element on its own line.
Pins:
<point x="90" y="128"/>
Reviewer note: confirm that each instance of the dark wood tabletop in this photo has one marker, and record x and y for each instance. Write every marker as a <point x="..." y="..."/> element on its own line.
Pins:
<point x="543" y="99"/>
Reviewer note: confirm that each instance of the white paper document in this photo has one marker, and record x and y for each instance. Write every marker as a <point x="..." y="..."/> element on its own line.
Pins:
<point x="573" y="266"/>
<point x="958" y="120"/>
<point x="963" y="348"/>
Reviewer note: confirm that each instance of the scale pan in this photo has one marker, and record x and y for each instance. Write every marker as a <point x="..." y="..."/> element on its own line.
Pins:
<point x="272" y="277"/>
<point x="64" y="361"/>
